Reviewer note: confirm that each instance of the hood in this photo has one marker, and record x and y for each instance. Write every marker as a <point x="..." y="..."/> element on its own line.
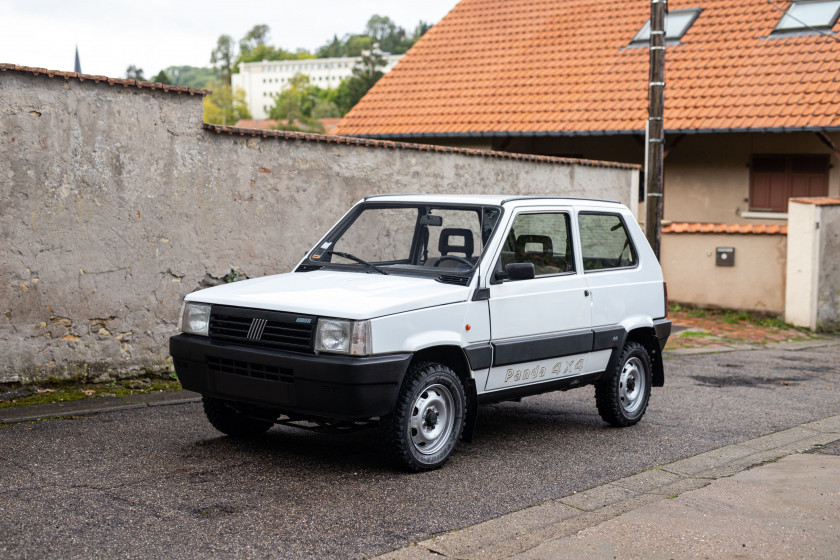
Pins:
<point x="345" y="295"/>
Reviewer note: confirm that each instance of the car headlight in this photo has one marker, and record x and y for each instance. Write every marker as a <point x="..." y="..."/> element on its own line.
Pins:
<point x="343" y="337"/>
<point x="195" y="318"/>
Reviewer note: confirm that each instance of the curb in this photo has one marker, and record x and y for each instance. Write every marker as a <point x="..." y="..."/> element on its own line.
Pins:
<point x="31" y="413"/>
<point x="524" y="530"/>
<point x="786" y="346"/>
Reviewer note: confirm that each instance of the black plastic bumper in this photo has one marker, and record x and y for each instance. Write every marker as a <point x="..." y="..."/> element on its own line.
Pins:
<point x="310" y="385"/>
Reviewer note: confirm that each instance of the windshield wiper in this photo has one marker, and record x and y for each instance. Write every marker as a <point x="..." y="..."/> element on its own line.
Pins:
<point x="357" y="259"/>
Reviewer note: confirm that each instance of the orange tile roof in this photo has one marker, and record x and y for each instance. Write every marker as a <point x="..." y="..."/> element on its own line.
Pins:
<point x="101" y="79"/>
<point x="694" y="227"/>
<point x="493" y="67"/>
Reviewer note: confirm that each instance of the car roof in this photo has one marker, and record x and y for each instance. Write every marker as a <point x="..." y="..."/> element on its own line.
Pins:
<point x="486" y="199"/>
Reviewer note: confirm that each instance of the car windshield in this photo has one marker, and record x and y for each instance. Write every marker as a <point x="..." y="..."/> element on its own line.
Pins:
<point x="424" y="238"/>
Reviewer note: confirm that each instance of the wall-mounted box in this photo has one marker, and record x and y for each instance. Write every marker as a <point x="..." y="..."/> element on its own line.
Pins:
<point x="725" y="256"/>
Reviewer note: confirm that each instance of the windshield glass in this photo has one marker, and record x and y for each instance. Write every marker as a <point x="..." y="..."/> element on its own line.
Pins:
<point x="410" y="237"/>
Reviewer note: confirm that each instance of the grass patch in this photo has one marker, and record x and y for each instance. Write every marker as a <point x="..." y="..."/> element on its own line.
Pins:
<point x="697" y="334"/>
<point x="66" y="391"/>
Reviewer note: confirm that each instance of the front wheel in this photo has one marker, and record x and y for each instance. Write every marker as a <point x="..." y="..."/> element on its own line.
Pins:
<point x="428" y="417"/>
<point x="622" y="394"/>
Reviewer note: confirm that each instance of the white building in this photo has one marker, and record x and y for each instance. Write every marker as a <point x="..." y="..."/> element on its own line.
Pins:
<point x="263" y="80"/>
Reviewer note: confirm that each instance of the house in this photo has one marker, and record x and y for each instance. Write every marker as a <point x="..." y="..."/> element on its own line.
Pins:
<point x="752" y="113"/>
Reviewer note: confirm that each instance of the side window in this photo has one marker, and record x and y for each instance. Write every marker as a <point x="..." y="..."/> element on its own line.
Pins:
<point x="605" y="242"/>
<point x="540" y="239"/>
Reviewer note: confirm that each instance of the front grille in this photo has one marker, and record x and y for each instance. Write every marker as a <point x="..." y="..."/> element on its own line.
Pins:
<point x="248" y="369"/>
<point x="272" y="329"/>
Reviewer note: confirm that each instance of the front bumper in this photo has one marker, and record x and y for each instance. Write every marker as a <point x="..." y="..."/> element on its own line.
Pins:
<point x="327" y="386"/>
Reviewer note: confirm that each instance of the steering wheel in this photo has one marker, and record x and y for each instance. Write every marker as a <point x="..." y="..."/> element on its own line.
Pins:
<point x="461" y="260"/>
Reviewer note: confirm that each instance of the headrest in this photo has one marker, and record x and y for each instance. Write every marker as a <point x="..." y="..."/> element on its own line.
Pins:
<point x="523" y="240"/>
<point x="448" y="245"/>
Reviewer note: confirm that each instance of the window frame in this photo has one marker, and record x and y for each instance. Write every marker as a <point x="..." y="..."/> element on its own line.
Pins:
<point x="632" y="244"/>
<point x="800" y="27"/>
<point x="570" y="231"/>
<point x="642" y="37"/>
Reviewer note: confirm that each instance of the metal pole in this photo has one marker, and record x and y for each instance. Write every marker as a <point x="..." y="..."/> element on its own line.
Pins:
<point x="656" y="129"/>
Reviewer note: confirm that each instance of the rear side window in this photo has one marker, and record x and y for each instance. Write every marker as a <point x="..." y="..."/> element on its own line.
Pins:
<point x="540" y="239"/>
<point x="605" y="242"/>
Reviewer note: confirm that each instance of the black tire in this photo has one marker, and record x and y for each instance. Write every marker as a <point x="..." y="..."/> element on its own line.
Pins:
<point x="237" y="421"/>
<point x="428" y="418"/>
<point x="622" y="394"/>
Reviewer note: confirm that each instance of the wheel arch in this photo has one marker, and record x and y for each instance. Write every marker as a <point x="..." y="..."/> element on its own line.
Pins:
<point x="455" y="358"/>
<point x="646" y="336"/>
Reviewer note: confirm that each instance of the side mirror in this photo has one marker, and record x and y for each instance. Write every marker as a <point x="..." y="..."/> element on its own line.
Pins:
<point x="520" y="271"/>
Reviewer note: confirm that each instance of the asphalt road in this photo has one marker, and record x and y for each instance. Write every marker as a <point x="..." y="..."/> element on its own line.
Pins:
<point x="161" y="483"/>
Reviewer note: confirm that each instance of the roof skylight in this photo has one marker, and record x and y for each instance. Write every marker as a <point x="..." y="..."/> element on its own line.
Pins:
<point x="815" y="14"/>
<point x="677" y="23"/>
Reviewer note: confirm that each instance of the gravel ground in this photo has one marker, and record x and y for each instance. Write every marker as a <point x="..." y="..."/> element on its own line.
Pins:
<point x="160" y="482"/>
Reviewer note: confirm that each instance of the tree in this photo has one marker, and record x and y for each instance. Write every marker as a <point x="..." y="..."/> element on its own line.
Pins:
<point x="325" y="109"/>
<point x="365" y="74"/>
<point x="295" y="104"/>
<point x="222" y="58"/>
<point x="162" y="78"/>
<point x="190" y="76"/>
<point x="134" y="73"/>
<point x="225" y="106"/>
<point x="333" y="49"/>
<point x="258" y="35"/>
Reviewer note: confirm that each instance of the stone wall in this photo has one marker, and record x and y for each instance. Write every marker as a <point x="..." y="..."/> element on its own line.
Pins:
<point x="115" y="202"/>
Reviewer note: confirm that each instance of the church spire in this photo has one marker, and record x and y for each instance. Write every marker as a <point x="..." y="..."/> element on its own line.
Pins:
<point x="78" y="67"/>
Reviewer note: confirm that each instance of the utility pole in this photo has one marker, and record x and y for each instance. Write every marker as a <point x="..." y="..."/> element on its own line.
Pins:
<point x="655" y="146"/>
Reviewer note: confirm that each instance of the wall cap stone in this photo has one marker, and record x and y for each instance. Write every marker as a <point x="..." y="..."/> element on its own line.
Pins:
<point x="389" y="144"/>
<point x="140" y="84"/>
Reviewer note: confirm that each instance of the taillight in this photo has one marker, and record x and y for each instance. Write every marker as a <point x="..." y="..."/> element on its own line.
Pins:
<point x="665" y="291"/>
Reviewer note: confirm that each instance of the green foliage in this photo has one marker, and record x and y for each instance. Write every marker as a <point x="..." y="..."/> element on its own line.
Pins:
<point x="225" y="106"/>
<point x="162" y="78"/>
<point x="254" y="47"/>
<point x="134" y="73"/>
<point x="191" y="76"/>
<point x="380" y="32"/>
<point x="222" y="58"/>
<point x="365" y="74"/>
<point x="294" y="106"/>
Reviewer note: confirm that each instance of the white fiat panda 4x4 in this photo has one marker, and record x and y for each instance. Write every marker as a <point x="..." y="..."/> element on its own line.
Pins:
<point x="414" y="309"/>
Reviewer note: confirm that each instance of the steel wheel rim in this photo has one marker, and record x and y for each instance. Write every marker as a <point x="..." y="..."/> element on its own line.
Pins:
<point x="631" y="385"/>
<point x="432" y="420"/>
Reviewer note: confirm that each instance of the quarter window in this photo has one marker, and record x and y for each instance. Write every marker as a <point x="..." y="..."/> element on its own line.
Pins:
<point x="605" y="242"/>
<point x="540" y="239"/>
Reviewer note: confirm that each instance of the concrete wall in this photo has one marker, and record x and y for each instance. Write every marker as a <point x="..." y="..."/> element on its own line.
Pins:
<point x="813" y="268"/>
<point x="755" y="283"/>
<point x="115" y="203"/>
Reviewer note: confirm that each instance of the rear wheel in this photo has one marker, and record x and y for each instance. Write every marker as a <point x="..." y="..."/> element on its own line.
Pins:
<point x="236" y="420"/>
<point x="428" y="417"/>
<point x="622" y="394"/>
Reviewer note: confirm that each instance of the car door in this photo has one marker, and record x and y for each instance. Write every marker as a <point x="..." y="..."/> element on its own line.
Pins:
<point x="536" y="321"/>
<point x="622" y="288"/>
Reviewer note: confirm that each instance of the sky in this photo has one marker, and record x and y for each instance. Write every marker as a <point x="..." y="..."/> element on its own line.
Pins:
<point x="155" y="34"/>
